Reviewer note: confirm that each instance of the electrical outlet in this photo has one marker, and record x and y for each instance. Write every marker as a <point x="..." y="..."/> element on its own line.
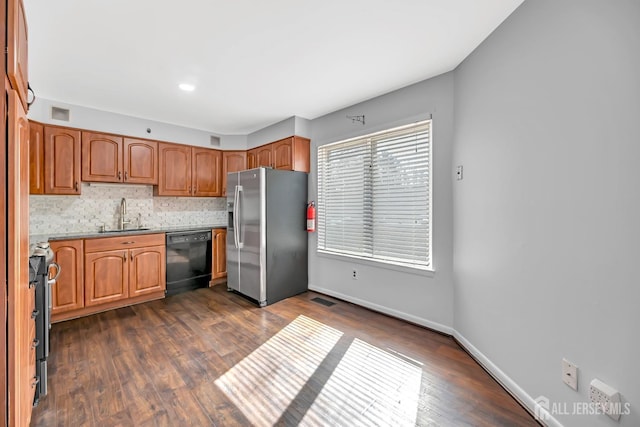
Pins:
<point x="606" y="398"/>
<point x="459" y="173"/>
<point x="570" y="374"/>
<point x="354" y="274"/>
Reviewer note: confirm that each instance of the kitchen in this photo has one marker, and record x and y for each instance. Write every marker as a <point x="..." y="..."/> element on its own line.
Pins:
<point x="504" y="94"/>
<point x="86" y="196"/>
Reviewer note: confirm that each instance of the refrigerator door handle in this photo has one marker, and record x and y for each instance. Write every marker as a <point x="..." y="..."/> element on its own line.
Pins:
<point x="236" y="217"/>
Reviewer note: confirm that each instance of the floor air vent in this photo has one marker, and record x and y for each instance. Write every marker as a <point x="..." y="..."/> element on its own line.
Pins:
<point x="323" y="301"/>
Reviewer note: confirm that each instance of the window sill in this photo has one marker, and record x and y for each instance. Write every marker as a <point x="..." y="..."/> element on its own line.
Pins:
<point x="387" y="265"/>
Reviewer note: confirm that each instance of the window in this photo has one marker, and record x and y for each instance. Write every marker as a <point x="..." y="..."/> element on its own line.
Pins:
<point x="374" y="196"/>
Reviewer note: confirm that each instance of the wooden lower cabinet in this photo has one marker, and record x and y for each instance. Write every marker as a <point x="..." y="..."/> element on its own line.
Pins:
<point x="219" y="253"/>
<point x="104" y="273"/>
<point x="68" y="291"/>
<point x="106" y="277"/>
<point x="147" y="272"/>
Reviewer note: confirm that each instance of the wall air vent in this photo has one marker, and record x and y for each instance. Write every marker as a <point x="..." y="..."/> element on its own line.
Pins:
<point x="215" y="141"/>
<point x="58" y="113"/>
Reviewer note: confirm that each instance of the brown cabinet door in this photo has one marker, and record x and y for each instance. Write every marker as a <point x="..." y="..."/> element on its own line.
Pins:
<point x="101" y="157"/>
<point x="17" y="52"/>
<point x="20" y="298"/>
<point x="36" y="158"/>
<point x="106" y="277"/>
<point x="147" y="270"/>
<point x="252" y="160"/>
<point x="68" y="291"/>
<point x="301" y="155"/>
<point x="264" y="156"/>
<point x="61" y="160"/>
<point x="292" y="154"/>
<point x="283" y="154"/>
<point x="207" y="166"/>
<point x="174" y="170"/>
<point x="232" y="161"/>
<point x="140" y="161"/>
<point x="219" y="265"/>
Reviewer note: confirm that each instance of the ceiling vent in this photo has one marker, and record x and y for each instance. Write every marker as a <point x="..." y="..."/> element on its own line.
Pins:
<point x="61" y="114"/>
<point x="215" y="141"/>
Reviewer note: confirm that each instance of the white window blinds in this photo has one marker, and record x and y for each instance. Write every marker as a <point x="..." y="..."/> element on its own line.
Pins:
<point x="374" y="196"/>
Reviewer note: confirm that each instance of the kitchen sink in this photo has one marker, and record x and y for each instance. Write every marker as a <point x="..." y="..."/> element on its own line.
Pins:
<point x="126" y="230"/>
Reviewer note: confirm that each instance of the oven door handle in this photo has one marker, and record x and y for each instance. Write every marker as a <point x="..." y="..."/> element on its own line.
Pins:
<point x="55" y="265"/>
<point x="236" y="217"/>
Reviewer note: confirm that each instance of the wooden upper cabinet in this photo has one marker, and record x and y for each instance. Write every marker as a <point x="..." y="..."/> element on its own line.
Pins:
<point x="174" y="170"/>
<point x="36" y="158"/>
<point x="188" y="171"/>
<point x="232" y="161"/>
<point x="291" y="154"/>
<point x="264" y="156"/>
<point x="252" y="160"/>
<point x="205" y="176"/>
<point x="17" y="51"/>
<point x="101" y="157"/>
<point x="68" y="291"/>
<point x="106" y="277"/>
<point x="61" y="160"/>
<point x="283" y="154"/>
<point x="147" y="270"/>
<point x="140" y="161"/>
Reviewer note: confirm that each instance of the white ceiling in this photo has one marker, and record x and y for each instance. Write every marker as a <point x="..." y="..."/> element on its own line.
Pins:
<point x="253" y="62"/>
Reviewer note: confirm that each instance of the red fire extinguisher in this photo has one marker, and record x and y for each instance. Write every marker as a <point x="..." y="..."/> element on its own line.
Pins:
<point x="311" y="217"/>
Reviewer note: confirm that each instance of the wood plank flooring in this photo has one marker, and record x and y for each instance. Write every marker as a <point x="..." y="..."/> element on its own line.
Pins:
<point x="211" y="358"/>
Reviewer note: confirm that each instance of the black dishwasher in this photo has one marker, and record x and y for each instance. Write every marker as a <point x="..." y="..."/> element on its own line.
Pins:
<point x="188" y="261"/>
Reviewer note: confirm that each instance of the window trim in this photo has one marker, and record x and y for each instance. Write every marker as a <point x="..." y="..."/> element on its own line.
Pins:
<point x="429" y="270"/>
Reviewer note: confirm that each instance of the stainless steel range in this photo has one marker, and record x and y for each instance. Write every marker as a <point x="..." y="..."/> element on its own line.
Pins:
<point x="39" y="277"/>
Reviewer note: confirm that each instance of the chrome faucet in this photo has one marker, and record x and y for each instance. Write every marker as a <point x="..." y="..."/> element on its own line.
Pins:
<point x="123" y="212"/>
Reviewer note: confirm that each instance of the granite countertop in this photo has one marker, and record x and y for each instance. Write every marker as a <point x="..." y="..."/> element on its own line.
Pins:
<point x="97" y="234"/>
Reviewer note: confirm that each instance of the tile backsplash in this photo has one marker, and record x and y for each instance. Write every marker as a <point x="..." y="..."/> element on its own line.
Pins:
<point x="100" y="204"/>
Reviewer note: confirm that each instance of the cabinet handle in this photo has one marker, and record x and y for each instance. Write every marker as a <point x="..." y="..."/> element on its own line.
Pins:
<point x="35" y="343"/>
<point x="124" y="256"/>
<point x="125" y="175"/>
<point x="129" y="243"/>
<point x="119" y="175"/>
<point x="76" y="186"/>
<point x="35" y="381"/>
<point x="35" y="313"/>
<point x="131" y="254"/>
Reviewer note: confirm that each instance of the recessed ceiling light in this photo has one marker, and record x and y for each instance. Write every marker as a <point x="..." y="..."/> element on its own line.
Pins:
<point x="186" y="87"/>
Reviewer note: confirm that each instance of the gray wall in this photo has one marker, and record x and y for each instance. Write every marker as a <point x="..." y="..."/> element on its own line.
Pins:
<point x="294" y="125"/>
<point x="104" y="121"/>
<point x="546" y="219"/>
<point x="426" y="300"/>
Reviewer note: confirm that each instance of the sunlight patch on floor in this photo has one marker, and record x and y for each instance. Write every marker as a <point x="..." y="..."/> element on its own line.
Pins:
<point x="265" y="382"/>
<point x="369" y="386"/>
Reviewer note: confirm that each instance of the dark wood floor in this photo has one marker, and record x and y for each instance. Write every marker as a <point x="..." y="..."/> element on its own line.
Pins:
<point x="210" y="357"/>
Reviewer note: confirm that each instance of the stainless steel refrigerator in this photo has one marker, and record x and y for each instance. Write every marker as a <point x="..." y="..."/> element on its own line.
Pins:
<point x="266" y="234"/>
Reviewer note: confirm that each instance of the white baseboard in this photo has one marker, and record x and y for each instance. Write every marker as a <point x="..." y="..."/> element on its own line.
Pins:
<point x="382" y="309"/>
<point x="503" y="379"/>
